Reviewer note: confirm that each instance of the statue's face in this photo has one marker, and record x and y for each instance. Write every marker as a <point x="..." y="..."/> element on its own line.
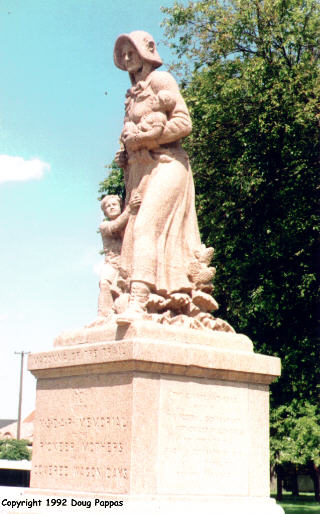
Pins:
<point x="131" y="59"/>
<point x="112" y="208"/>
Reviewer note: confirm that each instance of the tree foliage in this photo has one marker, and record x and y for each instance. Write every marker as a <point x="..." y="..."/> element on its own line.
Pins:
<point x="250" y="71"/>
<point x="14" y="449"/>
<point x="295" y="443"/>
<point x="295" y="434"/>
<point x="113" y="184"/>
<point x="206" y="31"/>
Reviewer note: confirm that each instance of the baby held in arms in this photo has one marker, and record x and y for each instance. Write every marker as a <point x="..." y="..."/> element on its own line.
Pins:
<point x="152" y="124"/>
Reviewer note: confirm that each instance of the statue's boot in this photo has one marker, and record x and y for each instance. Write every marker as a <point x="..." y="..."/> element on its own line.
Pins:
<point x="139" y="296"/>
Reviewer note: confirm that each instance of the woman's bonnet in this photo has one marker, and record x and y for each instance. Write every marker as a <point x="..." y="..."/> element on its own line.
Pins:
<point x="143" y="43"/>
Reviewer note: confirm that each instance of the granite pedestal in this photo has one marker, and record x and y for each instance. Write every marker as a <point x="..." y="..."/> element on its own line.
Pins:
<point x="152" y="414"/>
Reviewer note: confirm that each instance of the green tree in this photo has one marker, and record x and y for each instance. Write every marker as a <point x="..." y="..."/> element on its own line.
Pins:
<point x="113" y="184"/>
<point x="250" y="71"/>
<point x="14" y="449"/>
<point x="295" y="439"/>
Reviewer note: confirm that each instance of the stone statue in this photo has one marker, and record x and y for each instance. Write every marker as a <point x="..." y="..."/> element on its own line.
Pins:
<point x="112" y="231"/>
<point x="162" y="272"/>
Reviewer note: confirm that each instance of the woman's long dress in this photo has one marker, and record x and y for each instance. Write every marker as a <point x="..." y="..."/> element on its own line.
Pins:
<point x="160" y="239"/>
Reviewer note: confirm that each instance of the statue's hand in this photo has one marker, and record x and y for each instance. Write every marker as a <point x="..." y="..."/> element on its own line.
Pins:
<point x="121" y="158"/>
<point x="139" y="141"/>
<point x="129" y="128"/>
<point x="133" y="142"/>
<point x="135" y="202"/>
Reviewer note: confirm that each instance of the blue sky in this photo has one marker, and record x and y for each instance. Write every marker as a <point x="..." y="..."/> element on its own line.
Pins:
<point x="58" y="129"/>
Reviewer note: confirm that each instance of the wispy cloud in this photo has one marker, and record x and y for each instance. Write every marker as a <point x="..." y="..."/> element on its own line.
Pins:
<point x="14" y="169"/>
<point x="4" y="317"/>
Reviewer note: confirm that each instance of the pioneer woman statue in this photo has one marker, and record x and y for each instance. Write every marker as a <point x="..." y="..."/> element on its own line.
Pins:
<point x="161" y="240"/>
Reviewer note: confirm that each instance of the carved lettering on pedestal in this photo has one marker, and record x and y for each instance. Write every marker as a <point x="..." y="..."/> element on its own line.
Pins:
<point x="82" y="438"/>
<point x="98" y="353"/>
<point x="101" y="472"/>
<point x="114" y="447"/>
<point x="204" y="425"/>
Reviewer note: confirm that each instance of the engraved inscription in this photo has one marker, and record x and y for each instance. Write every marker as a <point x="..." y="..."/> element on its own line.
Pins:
<point x="102" y="422"/>
<point x="107" y="422"/>
<point x="55" y="422"/>
<point x="97" y="353"/>
<point x="57" y="470"/>
<point x="82" y="433"/>
<point x="82" y="445"/>
<point x="203" y="423"/>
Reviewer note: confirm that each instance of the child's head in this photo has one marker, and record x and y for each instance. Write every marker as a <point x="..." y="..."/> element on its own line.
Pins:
<point x="111" y="206"/>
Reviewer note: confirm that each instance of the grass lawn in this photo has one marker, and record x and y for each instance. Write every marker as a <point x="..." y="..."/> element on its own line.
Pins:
<point x="303" y="504"/>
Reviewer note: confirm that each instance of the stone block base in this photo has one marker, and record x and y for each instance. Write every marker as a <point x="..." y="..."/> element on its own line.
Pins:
<point x="156" y="415"/>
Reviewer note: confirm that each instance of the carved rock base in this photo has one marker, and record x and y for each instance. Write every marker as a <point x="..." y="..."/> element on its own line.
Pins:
<point x="178" y="416"/>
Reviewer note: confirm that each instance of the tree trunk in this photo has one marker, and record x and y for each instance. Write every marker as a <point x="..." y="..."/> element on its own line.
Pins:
<point x="279" y="472"/>
<point x="295" y="486"/>
<point x="316" y="481"/>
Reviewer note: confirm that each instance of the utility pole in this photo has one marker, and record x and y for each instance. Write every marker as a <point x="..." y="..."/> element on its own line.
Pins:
<point x="20" y="392"/>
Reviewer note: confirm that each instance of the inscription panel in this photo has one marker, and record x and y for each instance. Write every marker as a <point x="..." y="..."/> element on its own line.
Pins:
<point x="203" y="437"/>
<point x="82" y="433"/>
<point x="83" y="355"/>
